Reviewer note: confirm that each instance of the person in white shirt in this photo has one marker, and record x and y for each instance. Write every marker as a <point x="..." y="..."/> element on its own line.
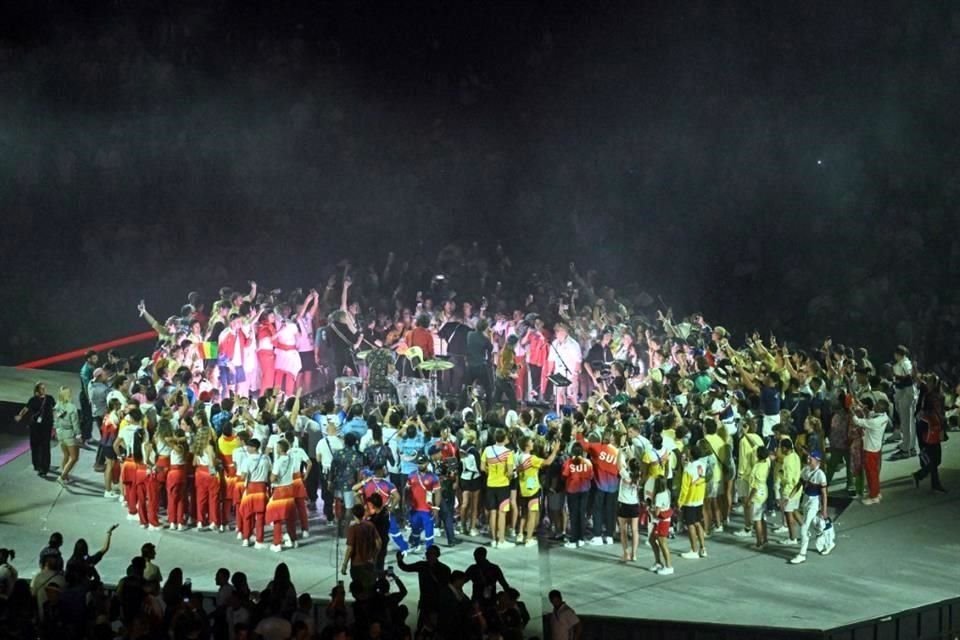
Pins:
<point x="564" y="623"/>
<point x="255" y="472"/>
<point x="123" y="446"/>
<point x="905" y="400"/>
<point x="288" y="362"/>
<point x="564" y="358"/>
<point x="813" y="483"/>
<point x="301" y="469"/>
<point x="281" y="510"/>
<point x="873" y="421"/>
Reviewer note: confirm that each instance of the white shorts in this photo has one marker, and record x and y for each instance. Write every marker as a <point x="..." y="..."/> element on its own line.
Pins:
<point x="792" y="504"/>
<point x="757" y="507"/>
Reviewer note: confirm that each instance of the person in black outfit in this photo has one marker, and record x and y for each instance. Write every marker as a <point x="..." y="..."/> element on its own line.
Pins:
<point x="930" y="422"/>
<point x="434" y="577"/>
<point x="342" y="342"/>
<point x="479" y="349"/>
<point x="459" y="617"/>
<point x="485" y="576"/>
<point x="39" y="416"/>
<point x="381" y="522"/>
<point x="454" y="333"/>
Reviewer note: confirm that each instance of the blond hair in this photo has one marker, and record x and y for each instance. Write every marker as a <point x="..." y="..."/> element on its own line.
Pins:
<point x="64" y="395"/>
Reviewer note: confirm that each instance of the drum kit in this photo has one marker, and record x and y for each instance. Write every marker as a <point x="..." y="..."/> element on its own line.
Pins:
<point x="409" y="390"/>
<point x="348" y="388"/>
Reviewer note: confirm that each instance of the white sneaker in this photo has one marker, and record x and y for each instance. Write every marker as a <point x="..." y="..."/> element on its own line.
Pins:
<point x="607" y="540"/>
<point x="239" y="535"/>
<point x="742" y="533"/>
<point x="798" y="559"/>
<point x="154" y="528"/>
<point x="828" y="549"/>
<point x="571" y="545"/>
<point x="108" y="494"/>
<point x="304" y="534"/>
<point x="143" y="526"/>
<point x="655" y="568"/>
<point x="532" y="542"/>
<point x="245" y="543"/>
<point x="275" y="548"/>
<point x="690" y="555"/>
<point x="132" y="516"/>
<point x="781" y="530"/>
<point x="596" y="540"/>
<point x="287" y="538"/>
<point x="290" y="544"/>
<point x="259" y="545"/>
<point x="703" y="553"/>
<point x="519" y="541"/>
<point x="223" y="529"/>
<point x="789" y="542"/>
<point x="580" y="543"/>
<point x="665" y="571"/>
<point x="252" y="539"/>
<point x="180" y="527"/>
<point x="474" y="533"/>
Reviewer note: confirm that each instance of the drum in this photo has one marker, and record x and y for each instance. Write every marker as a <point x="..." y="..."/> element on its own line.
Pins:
<point x="409" y="391"/>
<point x="348" y="384"/>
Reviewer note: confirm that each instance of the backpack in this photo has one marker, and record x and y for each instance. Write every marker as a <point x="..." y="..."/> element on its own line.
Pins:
<point x="377" y="455"/>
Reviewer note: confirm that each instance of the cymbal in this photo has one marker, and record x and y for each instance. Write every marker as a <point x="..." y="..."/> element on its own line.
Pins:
<point x="362" y="355"/>
<point x="347" y="380"/>
<point x="435" y="365"/>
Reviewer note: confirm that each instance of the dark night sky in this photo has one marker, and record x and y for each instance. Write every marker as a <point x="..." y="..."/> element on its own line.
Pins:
<point x="150" y="149"/>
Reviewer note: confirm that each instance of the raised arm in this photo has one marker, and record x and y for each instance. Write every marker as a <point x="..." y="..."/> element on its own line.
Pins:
<point x="345" y="294"/>
<point x="156" y="326"/>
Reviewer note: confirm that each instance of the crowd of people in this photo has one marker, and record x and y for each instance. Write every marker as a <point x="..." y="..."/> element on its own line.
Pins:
<point x="67" y="597"/>
<point x="563" y="416"/>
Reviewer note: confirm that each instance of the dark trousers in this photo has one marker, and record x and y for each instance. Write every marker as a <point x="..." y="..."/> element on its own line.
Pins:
<point x="604" y="512"/>
<point x="930" y="456"/>
<point x="447" y="511"/>
<point x="506" y="388"/>
<point x="577" y="504"/>
<point x="312" y="482"/>
<point x="86" y="417"/>
<point x="399" y="481"/>
<point x="325" y="494"/>
<point x="40" y="447"/>
<point x="480" y="373"/>
<point x="99" y="459"/>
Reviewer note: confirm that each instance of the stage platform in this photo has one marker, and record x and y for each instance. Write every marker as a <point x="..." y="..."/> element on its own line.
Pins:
<point x="16" y="385"/>
<point x="898" y="555"/>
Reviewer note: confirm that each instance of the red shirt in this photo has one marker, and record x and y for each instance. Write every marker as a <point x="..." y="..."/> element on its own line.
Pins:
<point x="447" y="450"/>
<point x="420" y="337"/>
<point x="420" y="485"/>
<point x="604" y="459"/>
<point x="537" y="348"/>
<point x="577" y="476"/>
